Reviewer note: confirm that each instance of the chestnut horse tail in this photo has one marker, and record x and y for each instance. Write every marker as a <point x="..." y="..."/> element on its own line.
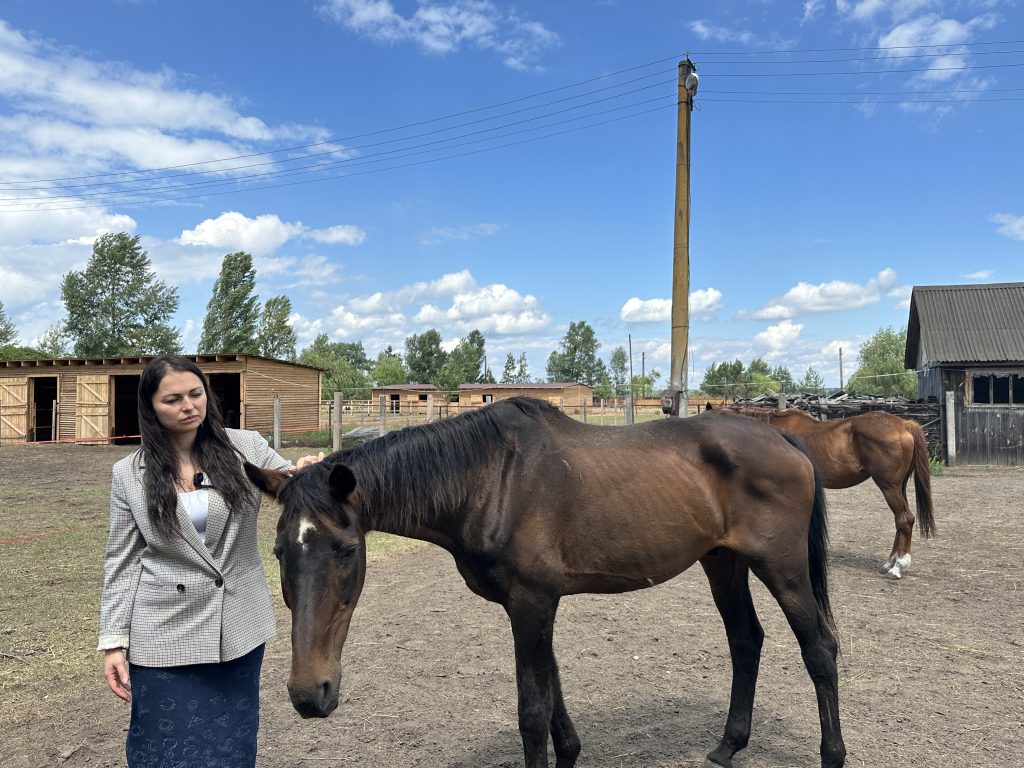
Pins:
<point x="922" y="480"/>
<point x="817" y="541"/>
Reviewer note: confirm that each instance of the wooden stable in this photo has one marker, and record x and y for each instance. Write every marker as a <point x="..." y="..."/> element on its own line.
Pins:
<point x="93" y="400"/>
<point x="569" y="395"/>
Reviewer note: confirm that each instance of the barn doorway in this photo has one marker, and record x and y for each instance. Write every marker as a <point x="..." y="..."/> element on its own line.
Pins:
<point x="227" y="388"/>
<point x="44" y="400"/>
<point x="126" y="410"/>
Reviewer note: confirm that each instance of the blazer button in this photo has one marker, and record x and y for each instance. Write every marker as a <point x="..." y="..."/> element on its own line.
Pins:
<point x="219" y="582"/>
<point x="181" y="587"/>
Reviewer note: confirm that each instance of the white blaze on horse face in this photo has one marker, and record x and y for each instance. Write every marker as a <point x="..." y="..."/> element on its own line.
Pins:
<point x="305" y="528"/>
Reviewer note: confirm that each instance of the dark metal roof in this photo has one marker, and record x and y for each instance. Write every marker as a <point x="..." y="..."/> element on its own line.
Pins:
<point x="966" y="324"/>
<point x="199" y="359"/>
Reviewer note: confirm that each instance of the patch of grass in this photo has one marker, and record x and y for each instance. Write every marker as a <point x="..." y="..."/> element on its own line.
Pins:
<point x="936" y="467"/>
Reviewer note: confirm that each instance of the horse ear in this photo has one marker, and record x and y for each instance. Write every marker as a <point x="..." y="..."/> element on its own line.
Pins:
<point x="267" y="480"/>
<point x="342" y="481"/>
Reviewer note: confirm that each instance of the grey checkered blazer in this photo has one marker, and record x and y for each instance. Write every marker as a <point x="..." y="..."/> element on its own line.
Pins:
<point x="177" y="600"/>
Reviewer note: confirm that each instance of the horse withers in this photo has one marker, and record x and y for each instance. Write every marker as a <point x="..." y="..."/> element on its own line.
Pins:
<point x="876" y="445"/>
<point x="533" y="506"/>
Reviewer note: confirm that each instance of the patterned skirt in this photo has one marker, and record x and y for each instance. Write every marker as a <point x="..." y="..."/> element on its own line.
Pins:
<point x="195" y="716"/>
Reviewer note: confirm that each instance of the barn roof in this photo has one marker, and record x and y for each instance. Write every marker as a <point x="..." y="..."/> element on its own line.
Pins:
<point x="526" y="385"/>
<point x="966" y="324"/>
<point x="75" y="362"/>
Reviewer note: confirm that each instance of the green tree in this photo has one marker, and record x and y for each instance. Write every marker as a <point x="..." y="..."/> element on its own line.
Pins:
<point x="116" y="306"/>
<point x="522" y="371"/>
<point x="233" y="312"/>
<point x="53" y="343"/>
<point x="424" y="357"/>
<point x="508" y="373"/>
<point x="618" y="365"/>
<point x="339" y="374"/>
<point x="604" y="389"/>
<point x="8" y="333"/>
<point x="757" y="378"/>
<point x="577" y="360"/>
<point x="724" y="380"/>
<point x="812" y="382"/>
<point x="275" y="337"/>
<point x="643" y="386"/>
<point x="783" y="379"/>
<point x="389" y="369"/>
<point x="881" y="370"/>
<point x="355" y="354"/>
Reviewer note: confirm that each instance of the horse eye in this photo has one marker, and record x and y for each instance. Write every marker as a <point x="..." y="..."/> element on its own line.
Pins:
<point x="342" y="551"/>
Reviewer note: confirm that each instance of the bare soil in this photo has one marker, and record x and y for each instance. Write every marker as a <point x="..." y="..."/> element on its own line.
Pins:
<point x="931" y="669"/>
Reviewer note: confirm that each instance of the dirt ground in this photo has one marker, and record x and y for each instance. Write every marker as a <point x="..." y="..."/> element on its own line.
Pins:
<point x="931" y="673"/>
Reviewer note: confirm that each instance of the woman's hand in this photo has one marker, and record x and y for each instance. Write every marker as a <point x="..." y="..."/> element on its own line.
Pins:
<point x="305" y="461"/>
<point x="115" y="669"/>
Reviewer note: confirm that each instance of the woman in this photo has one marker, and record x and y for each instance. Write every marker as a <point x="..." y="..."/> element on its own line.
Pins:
<point x="185" y="610"/>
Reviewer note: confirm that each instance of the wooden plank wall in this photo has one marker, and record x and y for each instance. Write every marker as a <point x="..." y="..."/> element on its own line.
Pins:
<point x="298" y="388"/>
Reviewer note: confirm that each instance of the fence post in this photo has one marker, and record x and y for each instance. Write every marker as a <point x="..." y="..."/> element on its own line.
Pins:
<point x="951" y="429"/>
<point x="430" y="407"/>
<point x="602" y="411"/>
<point x="383" y="414"/>
<point x="627" y="414"/>
<point x="781" y="401"/>
<point x="336" y="430"/>
<point x="277" y="422"/>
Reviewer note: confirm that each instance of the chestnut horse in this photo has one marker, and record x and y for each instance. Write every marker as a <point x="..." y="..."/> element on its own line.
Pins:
<point x="533" y="506"/>
<point x="876" y="444"/>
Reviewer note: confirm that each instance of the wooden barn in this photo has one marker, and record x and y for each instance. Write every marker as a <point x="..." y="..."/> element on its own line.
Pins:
<point x="564" y="395"/>
<point x="94" y="399"/>
<point x="966" y="343"/>
<point x="405" y="398"/>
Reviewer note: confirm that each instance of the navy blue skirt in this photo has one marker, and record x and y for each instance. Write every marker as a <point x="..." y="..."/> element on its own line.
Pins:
<point x="195" y="716"/>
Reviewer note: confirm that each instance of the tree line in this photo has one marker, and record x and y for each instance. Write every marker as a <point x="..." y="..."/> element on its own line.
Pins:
<point x="116" y="308"/>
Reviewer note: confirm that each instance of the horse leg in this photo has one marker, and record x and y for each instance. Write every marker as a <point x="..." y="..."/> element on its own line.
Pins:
<point x="563" y="733"/>
<point x="818" y="647"/>
<point x="899" y="559"/>
<point x="728" y="575"/>
<point x="541" y="707"/>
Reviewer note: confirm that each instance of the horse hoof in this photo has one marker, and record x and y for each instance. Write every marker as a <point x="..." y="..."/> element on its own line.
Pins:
<point x="709" y="763"/>
<point x="894" y="573"/>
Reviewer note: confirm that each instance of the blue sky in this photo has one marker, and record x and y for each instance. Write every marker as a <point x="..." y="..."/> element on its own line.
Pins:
<point x="399" y="165"/>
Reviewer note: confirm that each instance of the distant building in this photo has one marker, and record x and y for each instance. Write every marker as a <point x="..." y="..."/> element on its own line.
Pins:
<point x="565" y="395"/>
<point x="401" y="398"/>
<point x="966" y="343"/>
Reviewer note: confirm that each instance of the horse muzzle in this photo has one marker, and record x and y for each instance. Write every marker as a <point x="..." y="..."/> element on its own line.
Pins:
<point x="314" y="700"/>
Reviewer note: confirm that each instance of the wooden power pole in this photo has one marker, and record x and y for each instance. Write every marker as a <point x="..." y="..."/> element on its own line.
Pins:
<point x="681" y="250"/>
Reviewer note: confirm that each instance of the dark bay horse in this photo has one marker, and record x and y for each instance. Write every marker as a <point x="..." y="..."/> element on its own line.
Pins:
<point x="534" y="505"/>
<point x="876" y="444"/>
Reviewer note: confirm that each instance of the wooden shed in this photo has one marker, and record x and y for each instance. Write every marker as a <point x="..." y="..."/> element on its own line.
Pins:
<point x="94" y="399"/>
<point x="567" y="395"/>
<point x="404" y="398"/>
<point x="966" y="343"/>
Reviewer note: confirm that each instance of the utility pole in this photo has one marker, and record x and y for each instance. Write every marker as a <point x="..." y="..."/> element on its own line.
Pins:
<point x="681" y="245"/>
<point x="840" y="367"/>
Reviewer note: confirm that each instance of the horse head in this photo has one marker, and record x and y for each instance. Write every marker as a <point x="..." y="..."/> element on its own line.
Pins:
<point x="321" y="549"/>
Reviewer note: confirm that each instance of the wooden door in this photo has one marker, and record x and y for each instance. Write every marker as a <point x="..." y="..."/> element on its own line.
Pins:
<point x="14" y="410"/>
<point x="92" y="408"/>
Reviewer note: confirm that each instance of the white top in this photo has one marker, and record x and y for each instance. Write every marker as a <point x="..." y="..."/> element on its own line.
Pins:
<point x="197" y="504"/>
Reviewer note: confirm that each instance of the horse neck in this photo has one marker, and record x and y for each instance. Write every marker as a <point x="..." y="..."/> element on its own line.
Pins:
<point x="416" y="483"/>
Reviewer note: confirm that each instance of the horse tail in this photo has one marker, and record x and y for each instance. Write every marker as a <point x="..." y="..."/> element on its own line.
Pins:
<point x="922" y="480"/>
<point x="817" y="540"/>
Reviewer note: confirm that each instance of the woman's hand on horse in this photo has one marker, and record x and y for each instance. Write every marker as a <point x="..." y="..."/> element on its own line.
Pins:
<point x="305" y="461"/>
<point x="115" y="669"/>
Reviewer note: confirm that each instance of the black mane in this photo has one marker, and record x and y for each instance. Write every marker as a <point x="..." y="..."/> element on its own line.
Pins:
<point x="410" y="474"/>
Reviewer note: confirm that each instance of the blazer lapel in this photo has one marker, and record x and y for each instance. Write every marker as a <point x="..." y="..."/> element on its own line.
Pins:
<point x="216" y="520"/>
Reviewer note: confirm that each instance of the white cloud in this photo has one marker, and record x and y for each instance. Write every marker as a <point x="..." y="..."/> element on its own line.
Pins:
<point x="453" y="303"/>
<point x="40" y="225"/>
<point x="1011" y="225"/>
<point x="811" y="9"/>
<point x="442" y="28"/>
<point x="439" y="235"/>
<point x="706" y="30"/>
<point x="981" y="274"/>
<point x="703" y="302"/>
<point x="68" y="115"/>
<point x="834" y="296"/>
<point x="344" y="234"/>
<point x="780" y="336"/>
<point x="237" y="232"/>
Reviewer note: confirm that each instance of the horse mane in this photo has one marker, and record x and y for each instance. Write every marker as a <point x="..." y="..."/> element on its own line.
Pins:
<point x="409" y="475"/>
<point x="753" y="412"/>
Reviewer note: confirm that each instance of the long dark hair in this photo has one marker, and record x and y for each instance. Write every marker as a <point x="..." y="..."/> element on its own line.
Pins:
<point x="212" y="450"/>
